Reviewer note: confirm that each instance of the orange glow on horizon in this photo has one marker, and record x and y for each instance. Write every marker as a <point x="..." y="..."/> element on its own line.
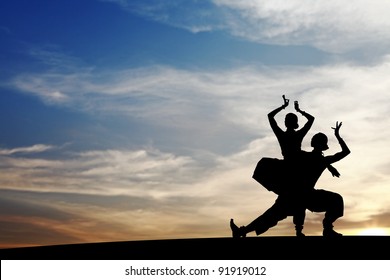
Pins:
<point x="374" y="231"/>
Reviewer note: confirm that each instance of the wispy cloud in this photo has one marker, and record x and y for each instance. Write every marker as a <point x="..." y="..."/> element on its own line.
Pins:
<point x="192" y="15"/>
<point x="101" y="172"/>
<point x="38" y="148"/>
<point x="53" y="56"/>
<point x="180" y="98"/>
<point x="334" y="26"/>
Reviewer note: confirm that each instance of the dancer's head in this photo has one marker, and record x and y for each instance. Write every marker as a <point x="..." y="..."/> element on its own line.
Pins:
<point x="319" y="141"/>
<point x="291" y="121"/>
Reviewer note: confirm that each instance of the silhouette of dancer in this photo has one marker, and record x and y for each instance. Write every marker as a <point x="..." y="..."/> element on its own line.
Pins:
<point x="290" y="141"/>
<point x="304" y="195"/>
<point x="275" y="174"/>
<point x="312" y="164"/>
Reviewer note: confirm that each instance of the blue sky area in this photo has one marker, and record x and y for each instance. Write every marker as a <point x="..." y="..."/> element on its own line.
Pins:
<point x="129" y="120"/>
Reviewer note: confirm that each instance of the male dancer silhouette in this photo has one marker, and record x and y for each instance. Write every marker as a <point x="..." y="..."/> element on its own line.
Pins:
<point x="312" y="165"/>
<point x="303" y="195"/>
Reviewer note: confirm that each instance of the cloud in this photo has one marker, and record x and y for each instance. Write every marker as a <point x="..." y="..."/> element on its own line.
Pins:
<point x="198" y="99"/>
<point x="141" y="172"/>
<point x="53" y="56"/>
<point x="332" y="26"/>
<point x="38" y="148"/>
<point x="192" y="15"/>
<point x="72" y="218"/>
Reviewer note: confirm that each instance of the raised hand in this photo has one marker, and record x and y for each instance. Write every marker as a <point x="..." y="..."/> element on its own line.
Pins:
<point x="296" y="106"/>
<point x="337" y="129"/>
<point x="286" y="101"/>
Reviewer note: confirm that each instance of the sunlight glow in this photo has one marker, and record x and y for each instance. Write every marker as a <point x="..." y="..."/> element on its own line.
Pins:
<point x="374" y="231"/>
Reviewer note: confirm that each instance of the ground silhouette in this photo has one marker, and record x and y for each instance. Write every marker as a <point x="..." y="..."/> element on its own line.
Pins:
<point x="218" y="248"/>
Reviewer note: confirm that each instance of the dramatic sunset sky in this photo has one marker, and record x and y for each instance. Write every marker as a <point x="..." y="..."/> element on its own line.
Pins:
<point x="144" y="119"/>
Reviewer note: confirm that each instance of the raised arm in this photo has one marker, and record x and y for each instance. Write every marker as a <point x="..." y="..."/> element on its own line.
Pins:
<point x="277" y="110"/>
<point x="271" y="115"/>
<point x="344" y="148"/>
<point x="310" y="118"/>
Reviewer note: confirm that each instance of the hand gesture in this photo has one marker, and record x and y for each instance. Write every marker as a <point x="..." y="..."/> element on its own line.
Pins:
<point x="286" y="101"/>
<point x="337" y="129"/>
<point x="296" y="106"/>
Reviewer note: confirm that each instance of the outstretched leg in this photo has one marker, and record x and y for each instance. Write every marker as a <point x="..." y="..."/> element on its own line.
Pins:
<point x="261" y="224"/>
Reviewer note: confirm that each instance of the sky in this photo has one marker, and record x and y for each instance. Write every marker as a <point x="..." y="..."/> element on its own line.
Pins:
<point x="144" y="119"/>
